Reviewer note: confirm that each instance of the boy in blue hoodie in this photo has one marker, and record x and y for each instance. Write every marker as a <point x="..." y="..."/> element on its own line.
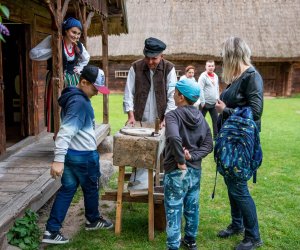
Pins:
<point x="76" y="158"/>
<point x="188" y="141"/>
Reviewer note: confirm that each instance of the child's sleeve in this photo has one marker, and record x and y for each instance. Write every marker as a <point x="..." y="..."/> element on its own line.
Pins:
<point x="173" y="137"/>
<point x="205" y="148"/>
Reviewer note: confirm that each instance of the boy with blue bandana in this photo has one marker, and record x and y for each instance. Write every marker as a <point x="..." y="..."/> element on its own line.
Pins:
<point x="76" y="157"/>
<point x="188" y="141"/>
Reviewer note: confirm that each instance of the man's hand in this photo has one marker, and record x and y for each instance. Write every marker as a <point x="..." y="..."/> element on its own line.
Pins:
<point x="162" y="124"/>
<point x="131" y="119"/>
<point x="57" y="169"/>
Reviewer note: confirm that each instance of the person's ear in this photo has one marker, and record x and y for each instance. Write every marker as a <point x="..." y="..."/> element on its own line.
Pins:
<point x="84" y="82"/>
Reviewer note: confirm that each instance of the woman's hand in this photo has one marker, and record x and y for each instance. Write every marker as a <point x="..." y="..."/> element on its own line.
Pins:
<point x="220" y="106"/>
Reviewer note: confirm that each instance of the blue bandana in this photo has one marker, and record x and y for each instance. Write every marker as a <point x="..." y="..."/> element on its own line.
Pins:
<point x="71" y="22"/>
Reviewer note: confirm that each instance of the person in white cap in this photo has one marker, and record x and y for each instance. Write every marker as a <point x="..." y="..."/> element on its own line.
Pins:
<point x="76" y="158"/>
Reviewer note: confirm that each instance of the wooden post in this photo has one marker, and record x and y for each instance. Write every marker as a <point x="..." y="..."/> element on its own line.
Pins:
<point x="150" y="205"/>
<point x="2" y="111"/>
<point x="84" y="26"/>
<point x="57" y="13"/>
<point x="105" y="60"/>
<point x="118" y="225"/>
<point x="289" y="83"/>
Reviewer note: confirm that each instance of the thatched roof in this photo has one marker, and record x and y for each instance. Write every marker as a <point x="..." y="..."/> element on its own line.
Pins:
<point x="116" y="14"/>
<point x="195" y="29"/>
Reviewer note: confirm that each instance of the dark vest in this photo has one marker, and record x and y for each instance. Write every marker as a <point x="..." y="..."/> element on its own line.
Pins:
<point x="69" y="65"/>
<point x="143" y="85"/>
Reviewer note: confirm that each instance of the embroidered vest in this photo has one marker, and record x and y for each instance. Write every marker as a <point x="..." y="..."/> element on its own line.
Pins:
<point x="69" y="65"/>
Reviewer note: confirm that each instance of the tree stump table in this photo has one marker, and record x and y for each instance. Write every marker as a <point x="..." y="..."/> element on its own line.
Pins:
<point x="139" y="148"/>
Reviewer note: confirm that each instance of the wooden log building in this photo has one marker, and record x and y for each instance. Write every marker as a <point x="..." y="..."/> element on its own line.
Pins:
<point x="22" y="81"/>
<point x="26" y="149"/>
<point x="194" y="31"/>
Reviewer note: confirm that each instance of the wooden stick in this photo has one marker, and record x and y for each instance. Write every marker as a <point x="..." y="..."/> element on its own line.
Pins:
<point x="150" y="205"/>
<point x="119" y="200"/>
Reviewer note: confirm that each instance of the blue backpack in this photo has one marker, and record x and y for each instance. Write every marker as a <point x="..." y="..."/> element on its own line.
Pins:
<point x="237" y="149"/>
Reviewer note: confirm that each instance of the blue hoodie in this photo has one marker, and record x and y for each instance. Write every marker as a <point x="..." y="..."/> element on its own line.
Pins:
<point x="77" y="129"/>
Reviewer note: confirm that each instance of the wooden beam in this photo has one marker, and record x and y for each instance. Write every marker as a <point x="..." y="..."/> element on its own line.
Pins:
<point x="57" y="63"/>
<point x="105" y="61"/>
<point x="2" y="112"/>
<point x="65" y="8"/>
<point x="89" y="19"/>
<point x="84" y="27"/>
<point x="289" y="82"/>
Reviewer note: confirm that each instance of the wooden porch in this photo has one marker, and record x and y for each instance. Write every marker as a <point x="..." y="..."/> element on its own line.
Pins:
<point x="25" y="180"/>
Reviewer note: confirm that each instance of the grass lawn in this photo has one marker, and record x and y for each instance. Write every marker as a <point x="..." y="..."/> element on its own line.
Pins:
<point x="276" y="193"/>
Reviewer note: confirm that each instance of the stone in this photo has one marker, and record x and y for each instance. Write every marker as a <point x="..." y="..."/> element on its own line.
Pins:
<point x="106" y="146"/>
<point x="107" y="170"/>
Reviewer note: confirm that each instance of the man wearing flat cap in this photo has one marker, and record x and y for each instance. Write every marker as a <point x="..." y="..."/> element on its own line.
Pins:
<point x="147" y="94"/>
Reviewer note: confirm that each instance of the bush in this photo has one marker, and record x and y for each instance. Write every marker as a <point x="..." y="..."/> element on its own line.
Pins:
<point x="25" y="233"/>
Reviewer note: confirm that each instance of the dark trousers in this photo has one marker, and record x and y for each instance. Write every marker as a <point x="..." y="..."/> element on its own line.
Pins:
<point x="243" y="209"/>
<point x="213" y="114"/>
<point x="83" y="170"/>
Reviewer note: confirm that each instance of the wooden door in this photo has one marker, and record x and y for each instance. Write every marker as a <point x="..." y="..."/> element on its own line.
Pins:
<point x="2" y="113"/>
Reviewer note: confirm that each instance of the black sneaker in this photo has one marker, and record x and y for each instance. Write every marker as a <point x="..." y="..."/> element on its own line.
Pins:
<point x="101" y="223"/>
<point x="54" y="238"/>
<point x="230" y="231"/>
<point x="191" y="245"/>
<point x="249" y="244"/>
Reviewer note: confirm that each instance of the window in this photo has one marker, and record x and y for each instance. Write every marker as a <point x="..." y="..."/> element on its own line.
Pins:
<point x="178" y="73"/>
<point x="121" y="73"/>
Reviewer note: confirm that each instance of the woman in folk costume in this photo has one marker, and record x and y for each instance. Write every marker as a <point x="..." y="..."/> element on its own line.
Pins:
<point x="75" y="57"/>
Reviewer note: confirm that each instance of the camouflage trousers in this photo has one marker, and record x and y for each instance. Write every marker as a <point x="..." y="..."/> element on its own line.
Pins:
<point x="181" y="190"/>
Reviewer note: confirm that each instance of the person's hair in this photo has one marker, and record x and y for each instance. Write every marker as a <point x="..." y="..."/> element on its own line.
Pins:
<point x="190" y="102"/>
<point x="210" y="61"/>
<point x="189" y="67"/>
<point x="82" y="78"/>
<point x="234" y="53"/>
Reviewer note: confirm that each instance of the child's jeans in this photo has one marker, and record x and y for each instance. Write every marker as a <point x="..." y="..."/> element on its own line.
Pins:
<point x="81" y="167"/>
<point x="181" y="189"/>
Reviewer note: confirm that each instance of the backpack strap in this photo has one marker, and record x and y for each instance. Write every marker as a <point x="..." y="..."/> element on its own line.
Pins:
<point x="254" y="176"/>
<point x="214" y="191"/>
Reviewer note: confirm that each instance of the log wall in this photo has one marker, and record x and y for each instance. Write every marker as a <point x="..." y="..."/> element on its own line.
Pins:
<point x="36" y="15"/>
<point x="274" y="74"/>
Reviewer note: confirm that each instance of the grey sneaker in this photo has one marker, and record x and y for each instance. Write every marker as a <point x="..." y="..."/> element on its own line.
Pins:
<point x="101" y="223"/>
<point x="249" y="244"/>
<point x="54" y="238"/>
